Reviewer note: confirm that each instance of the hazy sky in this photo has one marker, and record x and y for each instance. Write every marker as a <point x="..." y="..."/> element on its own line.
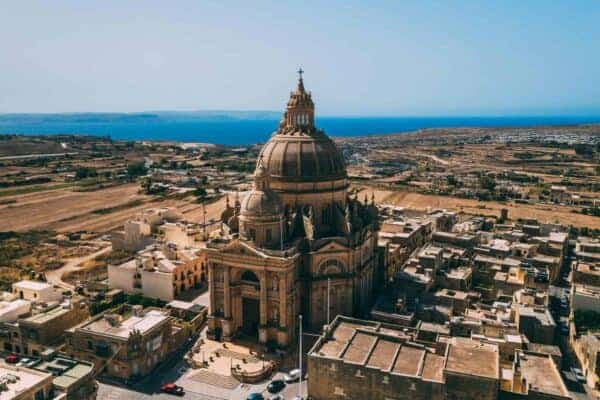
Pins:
<point x="361" y="58"/>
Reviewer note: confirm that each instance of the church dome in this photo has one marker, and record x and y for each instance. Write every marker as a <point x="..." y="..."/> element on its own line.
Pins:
<point x="301" y="157"/>
<point x="298" y="151"/>
<point x="261" y="201"/>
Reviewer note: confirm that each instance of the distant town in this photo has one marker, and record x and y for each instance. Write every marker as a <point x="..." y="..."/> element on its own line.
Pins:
<point x="448" y="263"/>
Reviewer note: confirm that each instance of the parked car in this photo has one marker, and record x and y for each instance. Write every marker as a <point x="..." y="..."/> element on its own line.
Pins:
<point x="578" y="374"/>
<point x="255" y="396"/>
<point x="276" y="386"/>
<point x="23" y="362"/>
<point x="276" y="397"/>
<point x="12" y="359"/>
<point x="292" y="376"/>
<point x="172" y="388"/>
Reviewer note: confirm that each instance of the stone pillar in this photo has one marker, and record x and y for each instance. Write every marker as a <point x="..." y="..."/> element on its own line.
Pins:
<point x="212" y="320"/>
<point x="226" y="292"/>
<point x="211" y="287"/>
<point x="283" y="334"/>
<point x="282" y="302"/>
<point x="227" y="326"/>
<point x="262" y="329"/>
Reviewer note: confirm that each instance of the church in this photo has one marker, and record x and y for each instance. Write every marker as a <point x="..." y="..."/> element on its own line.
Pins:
<point x="292" y="238"/>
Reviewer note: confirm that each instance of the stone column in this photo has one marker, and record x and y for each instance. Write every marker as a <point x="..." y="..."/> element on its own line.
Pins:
<point x="262" y="329"/>
<point x="226" y="292"/>
<point x="227" y="326"/>
<point x="282" y="333"/>
<point x="211" y="287"/>
<point x="211" y="332"/>
<point x="282" y="302"/>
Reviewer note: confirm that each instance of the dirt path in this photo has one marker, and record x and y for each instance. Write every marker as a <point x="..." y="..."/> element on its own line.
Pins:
<point x="72" y="264"/>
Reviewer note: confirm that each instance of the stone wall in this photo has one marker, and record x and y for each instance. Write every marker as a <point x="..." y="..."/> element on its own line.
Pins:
<point x="465" y="387"/>
<point x="334" y="380"/>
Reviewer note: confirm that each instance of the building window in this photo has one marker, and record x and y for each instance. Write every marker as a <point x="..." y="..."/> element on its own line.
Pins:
<point x="325" y="215"/>
<point x="274" y="317"/>
<point x="269" y="235"/>
<point x="90" y="345"/>
<point x="252" y="234"/>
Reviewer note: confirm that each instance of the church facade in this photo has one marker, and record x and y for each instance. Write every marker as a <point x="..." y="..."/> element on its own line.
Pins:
<point x="293" y="237"/>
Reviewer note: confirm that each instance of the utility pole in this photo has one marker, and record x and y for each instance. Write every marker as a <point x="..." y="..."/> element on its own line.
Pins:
<point x="328" y="299"/>
<point x="300" y="358"/>
<point x="203" y="221"/>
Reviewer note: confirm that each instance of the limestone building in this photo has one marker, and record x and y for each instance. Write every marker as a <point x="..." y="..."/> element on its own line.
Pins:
<point x="292" y="232"/>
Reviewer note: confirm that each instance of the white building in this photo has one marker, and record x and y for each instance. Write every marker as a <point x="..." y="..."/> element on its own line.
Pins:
<point x="36" y="291"/>
<point x="23" y="383"/>
<point x="137" y="232"/>
<point x="159" y="273"/>
<point x="12" y="308"/>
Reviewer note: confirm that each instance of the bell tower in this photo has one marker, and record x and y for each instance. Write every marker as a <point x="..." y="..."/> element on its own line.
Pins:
<point x="300" y="111"/>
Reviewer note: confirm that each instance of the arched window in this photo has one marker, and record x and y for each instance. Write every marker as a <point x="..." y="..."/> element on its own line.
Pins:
<point x="249" y="276"/>
<point x="331" y="266"/>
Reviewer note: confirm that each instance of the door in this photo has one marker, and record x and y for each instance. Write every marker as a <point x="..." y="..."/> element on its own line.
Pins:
<point x="251" y="316"/>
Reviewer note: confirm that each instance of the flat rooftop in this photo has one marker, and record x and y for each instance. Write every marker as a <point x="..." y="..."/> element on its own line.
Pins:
<point x="409" y="359"/>
<point x="8" y="307"/>
<point x="471" y="357"/>
<point x="382" y="355"/>
<point x="586" y="268"/>
<point x="541" y="375"/>
<point x="455" y="294"/>
<point x="123" y="329"/>
<point x="580" y="289"/>
<point x="540" y="313"/>
<point x="49" y="315"/>
<point x="20" y="380"/>
<point x="393" y="350"/>
<point x="32" y="285"/>
<point x="66" y="371"/>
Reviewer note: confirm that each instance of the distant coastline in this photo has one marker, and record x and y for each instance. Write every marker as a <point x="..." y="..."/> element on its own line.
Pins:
<point x="248" y="127"/>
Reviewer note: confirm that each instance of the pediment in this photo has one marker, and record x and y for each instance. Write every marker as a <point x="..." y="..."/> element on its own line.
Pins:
<point x="330" y="246"/>
<point x="237" y="247"/>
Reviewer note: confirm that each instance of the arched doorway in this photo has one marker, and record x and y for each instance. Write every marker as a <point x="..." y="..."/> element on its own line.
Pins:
<point x="250" y="306"/>
<point x="250" y="316"/>
<point x="249" y="276"/>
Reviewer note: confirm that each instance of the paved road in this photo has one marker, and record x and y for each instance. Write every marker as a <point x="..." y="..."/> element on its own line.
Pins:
<point x="177" y="370"/>
<point x="55" y="276"/>
<point x="193" y="391"/>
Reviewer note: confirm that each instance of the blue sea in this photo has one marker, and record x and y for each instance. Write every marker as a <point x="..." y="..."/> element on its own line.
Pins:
<point x="242" y="128"/>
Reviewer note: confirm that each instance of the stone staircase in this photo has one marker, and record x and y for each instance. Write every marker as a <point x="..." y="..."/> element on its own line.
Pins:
<point x="214" y="379"/>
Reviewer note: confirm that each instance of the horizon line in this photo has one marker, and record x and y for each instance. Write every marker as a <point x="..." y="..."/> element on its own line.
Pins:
<point x="595" y="114"/>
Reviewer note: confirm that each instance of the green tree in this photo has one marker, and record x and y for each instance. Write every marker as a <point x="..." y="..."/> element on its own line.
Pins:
<point x="487" y="182"/>
<point x="136" y="169"/>
<point x="85" y="172"/>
